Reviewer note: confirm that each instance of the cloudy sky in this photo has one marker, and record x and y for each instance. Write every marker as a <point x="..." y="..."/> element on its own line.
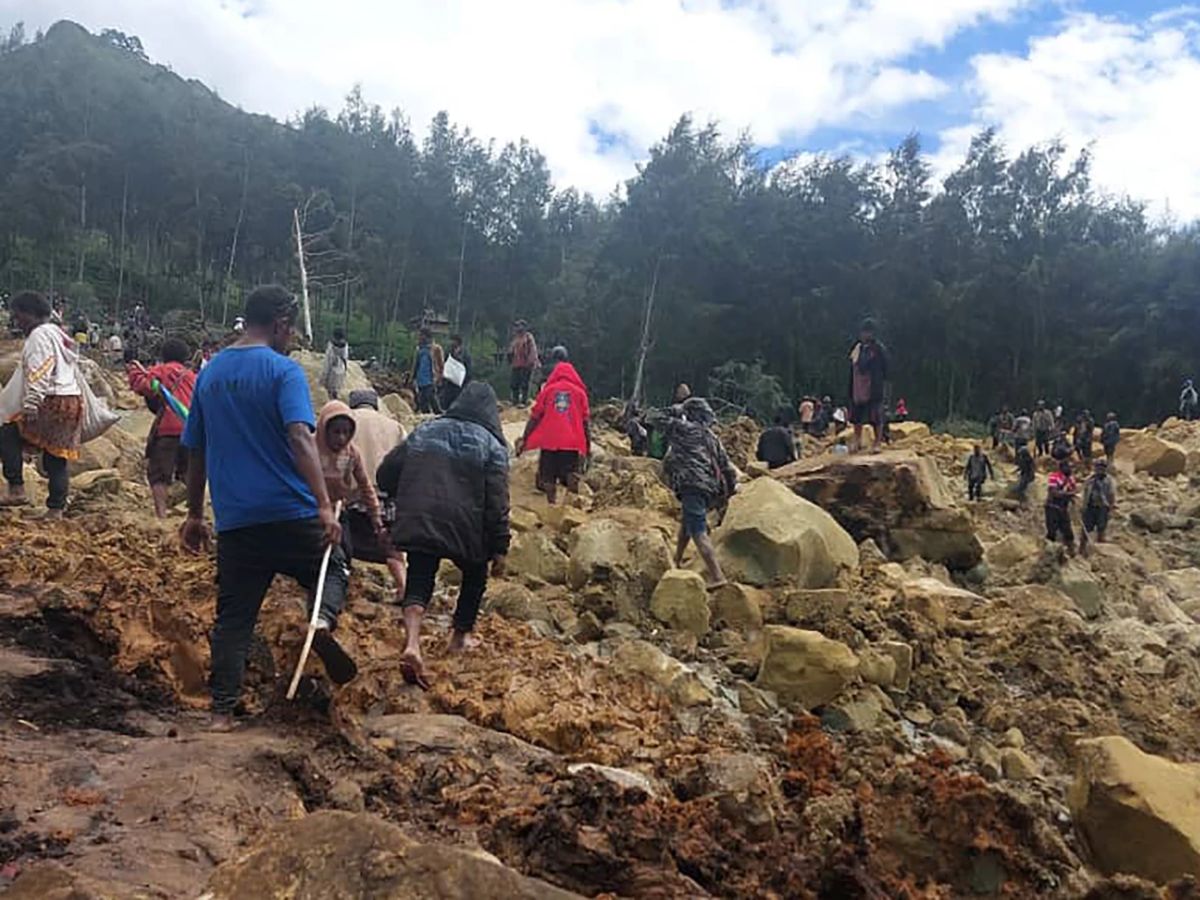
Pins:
<point x="593" y="83"/>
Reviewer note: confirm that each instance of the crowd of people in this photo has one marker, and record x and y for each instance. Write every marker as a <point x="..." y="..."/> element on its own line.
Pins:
<point x="288" y="486"/>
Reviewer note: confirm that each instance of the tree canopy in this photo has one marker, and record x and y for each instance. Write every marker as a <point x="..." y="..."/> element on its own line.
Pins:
<point x="1014" y="279"/>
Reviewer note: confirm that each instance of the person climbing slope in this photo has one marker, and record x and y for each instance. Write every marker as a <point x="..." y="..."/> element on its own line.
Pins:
<point x="1026" y="469"/>
<point x="43" y="404"/>
<point x="336" y="365"/>
<point x="978" y="470"/>
<point x="250" y="438"/>
<point x="560" y="426"/>
<point x="348" y="479"/>
<point x="1061" y="492"/>
<point x="450" y="481"/>
<point x="166" y="460"/>
<point x="699" y="472"/>
<point x="777" y="445"/>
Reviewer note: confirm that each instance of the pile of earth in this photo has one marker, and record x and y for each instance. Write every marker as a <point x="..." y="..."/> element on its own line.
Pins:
<point x="840" y="722"/>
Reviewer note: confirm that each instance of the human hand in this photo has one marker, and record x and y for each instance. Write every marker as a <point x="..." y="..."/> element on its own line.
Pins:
<point x="520" y="446"/>
<point x="330" y="525"/>
<point x="195" y="535"/>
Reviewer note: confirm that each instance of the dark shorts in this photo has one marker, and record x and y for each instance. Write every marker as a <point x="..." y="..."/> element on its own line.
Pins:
<point x="695" y="513"/>
<point x="558" y="467"/>
<point x="359" y="539"/>
<point x="866" y="413"/>
<point x="166" y="460"/>
<point x="1095" y="518"/>
<point x="1058" y="524"/>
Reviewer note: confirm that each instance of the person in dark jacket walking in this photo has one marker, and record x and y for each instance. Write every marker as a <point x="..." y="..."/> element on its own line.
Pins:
<point x="450" y="481"/>
<point x="777" y="445"/>
<point x="978" y="470"/>
<point x="699" y="472"/>
<point x="1026" y="468"/>
<point x="868" y="374"/>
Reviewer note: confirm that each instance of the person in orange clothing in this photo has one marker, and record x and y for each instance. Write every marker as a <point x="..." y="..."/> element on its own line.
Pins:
<point x="166" y="461"/>
<point x="560" y="426"/>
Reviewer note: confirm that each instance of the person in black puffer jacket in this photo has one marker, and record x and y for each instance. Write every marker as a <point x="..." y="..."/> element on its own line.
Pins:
<point x="450" y="481"/>
<point x="699" y="472"/>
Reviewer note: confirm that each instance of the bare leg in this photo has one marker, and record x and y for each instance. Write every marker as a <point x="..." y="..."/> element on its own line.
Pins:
<point x="857" y="438"/>
<point x="399" y="570"/>
<point x="681" y="544"/>
<point x="461" y="642"/>
<point x="411" y="660"/>
<point x="159" y="492"/>
<point x="709" y="554"/>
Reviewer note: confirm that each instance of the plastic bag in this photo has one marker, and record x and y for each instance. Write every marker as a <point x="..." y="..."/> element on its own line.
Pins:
<point x="97" y="417"/>
<point x="11" y="396"/>
<point x="454" y="371"/>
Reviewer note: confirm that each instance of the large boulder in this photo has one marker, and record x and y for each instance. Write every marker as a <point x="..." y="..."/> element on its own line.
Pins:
<point x="681" y="684"/>
<point x="936" y="600"/>
<point x="1139" y="813"/>
<point x="905" y="431"/>
<point x="1075" y="579"/>
<point x="771" y="536"/>
<point x="804" y="667"/>
<point x="680" y="601"/>
<point x="330" y="854"/>
<point x="1151" y="454"/>
<point x="898" y="499"/>
<point x="626" y="562"/>
<point x="535" y="555"/>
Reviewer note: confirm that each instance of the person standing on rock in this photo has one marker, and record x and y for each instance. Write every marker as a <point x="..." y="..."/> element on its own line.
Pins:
<point x="523" y="358"/>
<point x="427" y="370"/>
<point x="1085" y="433"/>
<point x="700" y="473"/>
<point x="868" y="375"/>
<point x="1189" y="401"/>
<point x="777" y="445"/>
<point x="42" y="404"/>
<point x="250" y="435"/>
<point x="336" y="365"/>
<point x="166" y="460"/>
<point x="1043" y="428"/>
<point x="450" y="481"/>
<point x="978" y="470"/>
<point x="1061" y="492"/>
<point x="1022" y="429"/>
<point x="560" y="426"/>
<point x="1110" y="436"/>
<point x="1099" y="500"/>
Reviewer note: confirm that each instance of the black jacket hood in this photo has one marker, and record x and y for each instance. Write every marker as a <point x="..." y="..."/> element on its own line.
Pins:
<point x="477" y="403"/>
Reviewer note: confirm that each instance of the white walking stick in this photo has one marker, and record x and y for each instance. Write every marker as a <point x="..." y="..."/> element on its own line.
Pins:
<point x="316" y="612"/>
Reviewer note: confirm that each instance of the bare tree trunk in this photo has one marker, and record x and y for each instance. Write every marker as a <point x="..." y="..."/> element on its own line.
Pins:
<point x="308" y="332"/>
<point x="395" y="313"/>
<point x="199" y="253"/>
<point x="82" y="225"/>
<point x="121" y="246"/>
<point x="462" y="256"/>
<point x="644" y="349"/>
<point x="237" y="230"/>
<point x="349" y="251"/>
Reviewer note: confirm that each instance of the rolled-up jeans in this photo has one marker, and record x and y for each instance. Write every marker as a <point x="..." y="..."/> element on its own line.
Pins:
<point x="248" y="559"/>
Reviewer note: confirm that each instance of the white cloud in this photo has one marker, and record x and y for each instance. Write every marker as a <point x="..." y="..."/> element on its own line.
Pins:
<point x="549" y="69"/>
<point x="1127" y="89"/>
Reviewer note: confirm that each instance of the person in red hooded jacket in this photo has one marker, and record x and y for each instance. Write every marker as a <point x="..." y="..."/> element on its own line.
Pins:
<point x="166" y="461"/>
<point x="559" y="426"/>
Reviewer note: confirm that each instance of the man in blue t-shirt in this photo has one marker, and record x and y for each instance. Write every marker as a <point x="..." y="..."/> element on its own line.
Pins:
<point x="427" y="372"/>
<point x="250" y="436"/>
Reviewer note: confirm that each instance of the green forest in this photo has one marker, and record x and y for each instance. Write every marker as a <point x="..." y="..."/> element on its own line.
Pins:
<point x="122" y="182"/>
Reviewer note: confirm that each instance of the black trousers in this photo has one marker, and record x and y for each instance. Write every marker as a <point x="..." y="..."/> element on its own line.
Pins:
<point x="520" y="385"/>
<point x="427" y="400"/>
<point x="1042" y="439"/>
<point x="1058" y="523"/>
<point x="974" y="490"/>
<point x="248" y="559"/>
<point x="422" y="571"/>
<point x="12" y="451"/>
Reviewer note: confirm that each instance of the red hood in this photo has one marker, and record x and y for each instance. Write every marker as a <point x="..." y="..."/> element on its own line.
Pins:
<point x="564" y="372"/>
